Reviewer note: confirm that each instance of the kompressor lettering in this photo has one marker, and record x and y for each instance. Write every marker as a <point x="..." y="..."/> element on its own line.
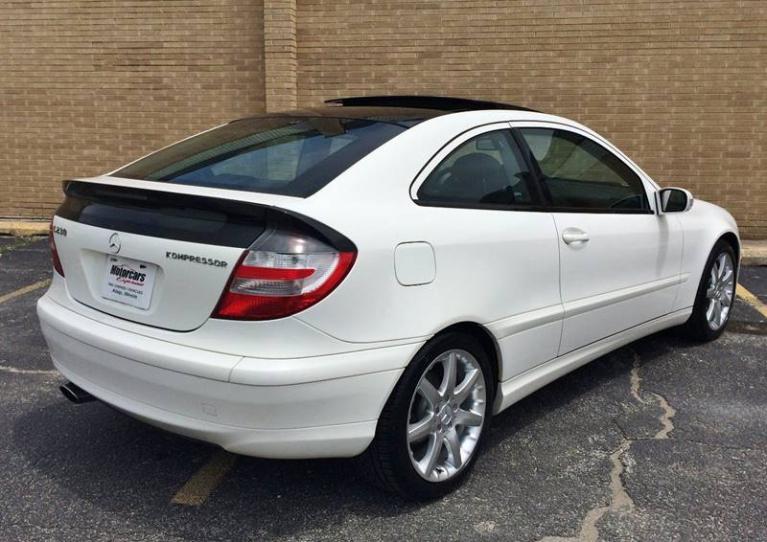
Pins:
<point x="195" y="259"/>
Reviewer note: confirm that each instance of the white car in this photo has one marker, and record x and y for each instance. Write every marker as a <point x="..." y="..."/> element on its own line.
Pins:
<point x="378" y="276"/>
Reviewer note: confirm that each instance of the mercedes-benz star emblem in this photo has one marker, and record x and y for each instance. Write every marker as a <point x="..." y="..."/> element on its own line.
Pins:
<point x="114" y="243"/>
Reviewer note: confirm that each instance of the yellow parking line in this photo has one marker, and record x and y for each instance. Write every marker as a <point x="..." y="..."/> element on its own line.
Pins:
<point x="24" y="290"/>
<point x="751" y="299"/>
<point x="14" y="370"/>
<point x="199" y="487"/>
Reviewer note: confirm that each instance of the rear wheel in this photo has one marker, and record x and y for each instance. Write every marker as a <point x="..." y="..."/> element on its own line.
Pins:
<point x="716" y="295"/>
<point x="431" y="429"/>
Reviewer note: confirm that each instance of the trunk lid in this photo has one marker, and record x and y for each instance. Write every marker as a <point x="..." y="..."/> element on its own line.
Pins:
<point x="153" y="257"/>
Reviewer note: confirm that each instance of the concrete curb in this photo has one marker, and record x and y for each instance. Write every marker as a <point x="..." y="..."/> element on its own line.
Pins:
<point x="754" y="252"/>
<point x="24" y="228"/>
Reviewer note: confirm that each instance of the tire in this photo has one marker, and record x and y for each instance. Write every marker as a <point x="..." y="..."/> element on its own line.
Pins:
<point x="394" y="461"/>
<point x="700" y="327"/>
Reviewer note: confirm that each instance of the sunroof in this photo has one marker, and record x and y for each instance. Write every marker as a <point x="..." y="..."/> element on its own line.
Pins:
<point x="444" y="103"/>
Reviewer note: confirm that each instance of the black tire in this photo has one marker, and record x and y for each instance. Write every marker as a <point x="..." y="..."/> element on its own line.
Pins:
<point x="387" y="461"/>
<point x="697" y="328"/>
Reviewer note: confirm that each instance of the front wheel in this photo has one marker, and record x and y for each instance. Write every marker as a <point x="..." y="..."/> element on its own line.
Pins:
<point x="716" y="295"/>
<point x="431" y="429"/>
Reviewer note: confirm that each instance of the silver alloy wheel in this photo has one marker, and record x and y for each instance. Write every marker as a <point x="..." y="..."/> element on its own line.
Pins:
<point x="720" y="291"/>
<point x="446" y="414"/>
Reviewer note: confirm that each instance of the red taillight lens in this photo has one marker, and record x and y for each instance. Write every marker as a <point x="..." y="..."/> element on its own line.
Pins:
<point x="282" y="275"/>
<point x="54" y="253"/>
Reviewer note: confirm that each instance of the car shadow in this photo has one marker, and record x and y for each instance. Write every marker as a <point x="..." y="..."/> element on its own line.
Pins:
<point x="131" y="470"/>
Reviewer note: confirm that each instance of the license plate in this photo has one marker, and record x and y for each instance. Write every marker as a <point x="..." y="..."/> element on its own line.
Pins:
<point x="129" y="281"/>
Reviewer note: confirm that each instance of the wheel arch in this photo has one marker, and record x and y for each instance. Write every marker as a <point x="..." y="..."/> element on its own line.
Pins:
<point x="731" y="239"/>
<point x="485" y="339"/>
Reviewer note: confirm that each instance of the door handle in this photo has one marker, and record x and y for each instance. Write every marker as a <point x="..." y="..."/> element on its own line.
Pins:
<point x="574" y="236"/>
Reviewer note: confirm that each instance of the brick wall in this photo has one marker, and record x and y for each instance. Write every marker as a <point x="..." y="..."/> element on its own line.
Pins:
<point x="280" y="46"/>
<point x="86" y="86"/>
<point x="681" y="86"/>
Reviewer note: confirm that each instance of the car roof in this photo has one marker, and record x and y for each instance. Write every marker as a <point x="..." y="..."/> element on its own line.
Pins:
<point x="407" y="115"/>
<point x="404" y="109"/>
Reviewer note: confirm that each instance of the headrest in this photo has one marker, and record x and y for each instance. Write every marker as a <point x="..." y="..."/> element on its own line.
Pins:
<point x="476" y="164"/>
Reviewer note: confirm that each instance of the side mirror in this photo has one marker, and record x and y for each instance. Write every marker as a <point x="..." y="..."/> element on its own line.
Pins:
<point x="673" y="200"/>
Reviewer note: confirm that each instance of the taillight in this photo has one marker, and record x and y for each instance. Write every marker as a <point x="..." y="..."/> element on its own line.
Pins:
<point x="281" y="274"/>
<point x="54" y="253"/>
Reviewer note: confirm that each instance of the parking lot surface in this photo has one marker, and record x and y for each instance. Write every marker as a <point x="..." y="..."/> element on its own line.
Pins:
<point x="661" y="440"/>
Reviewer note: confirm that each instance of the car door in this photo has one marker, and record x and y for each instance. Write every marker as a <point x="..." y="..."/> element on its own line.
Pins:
<point x="619" y="260"/>
<point x="496" y="248"/>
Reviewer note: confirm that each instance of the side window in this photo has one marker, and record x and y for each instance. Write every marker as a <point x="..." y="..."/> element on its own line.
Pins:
<point x="487" y="169"/>
<point x="578" y="172"/>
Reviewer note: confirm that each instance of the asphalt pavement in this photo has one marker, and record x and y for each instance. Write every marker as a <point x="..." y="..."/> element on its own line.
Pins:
<point x="661" y="440"/>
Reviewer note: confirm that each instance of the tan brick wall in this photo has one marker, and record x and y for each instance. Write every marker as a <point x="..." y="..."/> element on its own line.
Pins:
<point x="280" y="54"/>
<point x="86" y="86"/>
<point x="681" y="86"/>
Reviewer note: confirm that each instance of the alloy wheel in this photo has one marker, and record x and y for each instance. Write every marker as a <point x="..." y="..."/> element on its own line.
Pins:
<point x="720" y="291"/>
<point x="446" y="415"/>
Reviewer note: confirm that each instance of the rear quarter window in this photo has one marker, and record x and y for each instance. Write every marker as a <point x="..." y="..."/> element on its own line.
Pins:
<point x="292" y="156"/>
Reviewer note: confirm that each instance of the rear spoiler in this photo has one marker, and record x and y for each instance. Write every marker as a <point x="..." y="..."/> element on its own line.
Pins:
<point x="184" y="217"/>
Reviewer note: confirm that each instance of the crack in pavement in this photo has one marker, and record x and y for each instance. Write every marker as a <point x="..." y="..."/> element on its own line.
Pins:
<point x="620" y="501"/>
<point x="665" y="418"/>
<point x="636" y="380"/>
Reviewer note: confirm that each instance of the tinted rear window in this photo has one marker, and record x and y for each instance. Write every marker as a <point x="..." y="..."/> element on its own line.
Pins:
<point x="292" y="156"/>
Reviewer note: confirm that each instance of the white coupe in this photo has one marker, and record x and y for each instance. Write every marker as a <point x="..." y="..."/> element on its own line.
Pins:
<point x="376" y="278"/>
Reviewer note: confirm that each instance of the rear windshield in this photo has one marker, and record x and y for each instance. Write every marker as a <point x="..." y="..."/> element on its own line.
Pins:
<point x="292" y="156"/>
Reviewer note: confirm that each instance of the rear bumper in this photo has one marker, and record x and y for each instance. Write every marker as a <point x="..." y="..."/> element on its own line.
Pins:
<point x="264" y="416"/>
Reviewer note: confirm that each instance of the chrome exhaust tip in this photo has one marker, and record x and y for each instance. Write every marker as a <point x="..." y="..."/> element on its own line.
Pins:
<point x="76" y="394"/>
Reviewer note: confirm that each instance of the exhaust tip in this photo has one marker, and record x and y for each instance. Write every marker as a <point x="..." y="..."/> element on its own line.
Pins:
<point x="76" y="394"/>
